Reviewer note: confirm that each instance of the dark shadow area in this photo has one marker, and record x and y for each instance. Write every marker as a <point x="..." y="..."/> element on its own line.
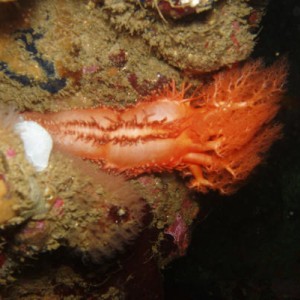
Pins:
<point x="248" y="246"/>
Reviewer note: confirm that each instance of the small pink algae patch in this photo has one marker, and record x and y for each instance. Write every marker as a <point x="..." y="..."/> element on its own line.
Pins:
<point x="40" y="225"/>
<point x="58" y="206"/>
<point x="90" y="69"/>
<point x="10" y="153"/>
<point x="179" y="231"/>
<point x="34" y="228"/>
<point x="180" y="228"/>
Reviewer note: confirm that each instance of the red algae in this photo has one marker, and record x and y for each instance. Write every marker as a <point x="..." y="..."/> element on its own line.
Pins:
<point x="216" y="136"/>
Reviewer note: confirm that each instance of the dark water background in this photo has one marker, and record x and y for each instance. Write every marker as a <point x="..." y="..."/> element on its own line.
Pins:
<point x="248" y="246"/>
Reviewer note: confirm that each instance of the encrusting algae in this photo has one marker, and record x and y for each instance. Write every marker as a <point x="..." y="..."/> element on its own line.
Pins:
<point x="16" y="174"/>
<point x="6" y="204"/>
<point x="61" y="206"/>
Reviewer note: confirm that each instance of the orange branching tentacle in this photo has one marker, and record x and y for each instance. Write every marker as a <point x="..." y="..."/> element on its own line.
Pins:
<point x="216" y="136"/>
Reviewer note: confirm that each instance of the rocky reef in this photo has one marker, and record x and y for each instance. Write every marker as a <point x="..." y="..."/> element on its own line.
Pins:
<point x="71" y="230"/>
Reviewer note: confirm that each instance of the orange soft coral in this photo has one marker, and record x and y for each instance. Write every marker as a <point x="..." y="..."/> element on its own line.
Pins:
<point x="217" y="136"/>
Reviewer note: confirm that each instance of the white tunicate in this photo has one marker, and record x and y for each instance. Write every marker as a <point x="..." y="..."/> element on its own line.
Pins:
<point x="37" y="143"/>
